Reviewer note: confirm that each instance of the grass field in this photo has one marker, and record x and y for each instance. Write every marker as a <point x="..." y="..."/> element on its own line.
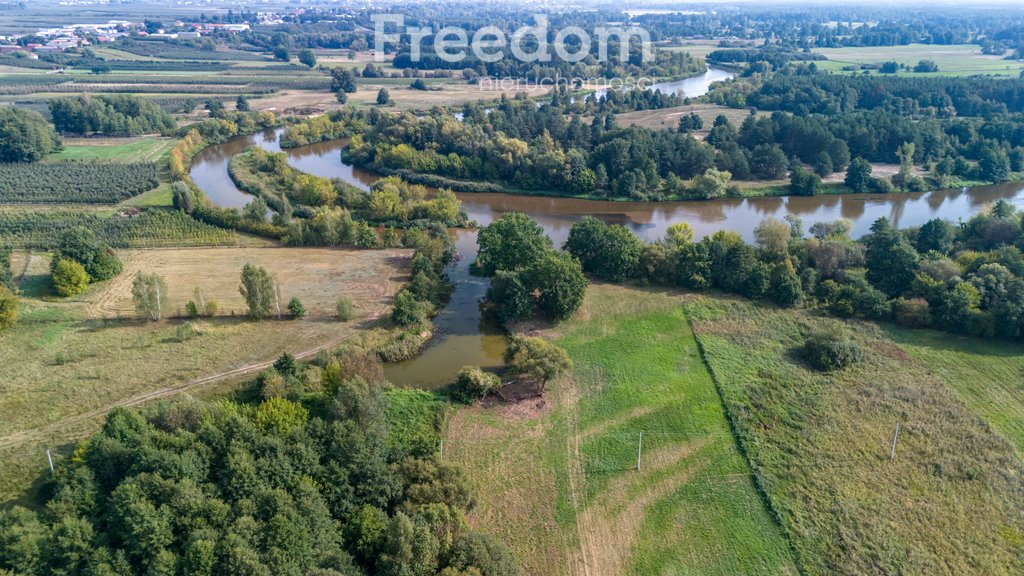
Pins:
<point x="953" y="60"/>
<point x="820" y="444"/>
<point x="987" y="375"/>
<point x="68" y="361"/>
<point x="698" y="48"/>
<point x="453" y="92"/>
<point x="144" y="149"/>
<point x="556" y="477"/>
<point x="668" y="118"/>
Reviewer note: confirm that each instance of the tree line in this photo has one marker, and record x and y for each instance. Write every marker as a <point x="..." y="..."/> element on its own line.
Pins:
<point x="966" y="278"/>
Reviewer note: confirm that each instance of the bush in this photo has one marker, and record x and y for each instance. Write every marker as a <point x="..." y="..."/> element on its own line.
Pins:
<point x="831" y="349"/>
<point x="472" y="383"/>
<point x="296" y="309"/>
<point x="913" y="313"/>
<point x="185" y="332"/>
<point x="8" y="307"/>
<point x="408" y="311"/>
<point x="285" y="365"/>
<point x="344" y="309"/>
<point x="69" y="277"/>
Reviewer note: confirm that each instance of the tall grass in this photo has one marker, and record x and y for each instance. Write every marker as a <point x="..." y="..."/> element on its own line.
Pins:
<point x="819" y="443"/>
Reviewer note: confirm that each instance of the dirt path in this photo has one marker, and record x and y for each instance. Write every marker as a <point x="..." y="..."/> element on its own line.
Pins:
<point x="43" y="431"/>
<point x="584" y="563"/>
<point x="24" y="269"/>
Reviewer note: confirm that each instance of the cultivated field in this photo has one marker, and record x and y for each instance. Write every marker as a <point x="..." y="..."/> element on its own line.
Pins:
<point x="949" y="503"/>
<point x="67" y="362"/>
<point x="453" y="92"/>
<point x="953" y="60"/>
<point x="314" y="275"/>
<point x="557" y="477"/>
<point x="668" y="118"/>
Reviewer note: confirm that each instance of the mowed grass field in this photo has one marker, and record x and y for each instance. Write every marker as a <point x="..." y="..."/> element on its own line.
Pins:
<point x="953" y="60"/>
<point x="316" y="276"/>
<point x="556" y="477"/>
<point x="668" y="118"/>
<point x="950" y="501"/>
<point x="143" y="149"/>
<point x="68" y="361"/>
<point x="450" y="92"/>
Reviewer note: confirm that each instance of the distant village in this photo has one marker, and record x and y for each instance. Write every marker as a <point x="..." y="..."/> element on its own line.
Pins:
<point x="80" y="35"/>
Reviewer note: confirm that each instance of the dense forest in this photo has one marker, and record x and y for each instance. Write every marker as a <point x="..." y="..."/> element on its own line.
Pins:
<point x="109" y="115"/>
<point x="25" y="136"/>
<point x="822" y="121"/>
<point x="333" y="473"/>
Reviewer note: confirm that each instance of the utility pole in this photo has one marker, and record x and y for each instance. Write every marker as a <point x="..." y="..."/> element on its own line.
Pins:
<point x="442" y="449"/>
<point x="895" y="436"/>
<point x="639" y="450"/>
<point x="50" y="460"/>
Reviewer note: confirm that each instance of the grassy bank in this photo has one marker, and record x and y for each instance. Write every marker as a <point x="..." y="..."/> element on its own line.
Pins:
<point x="557" y="477"/>
<point x="820" y="444"/>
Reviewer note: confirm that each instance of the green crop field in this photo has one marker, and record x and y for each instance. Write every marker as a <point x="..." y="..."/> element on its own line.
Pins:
<point x="557" y="477"/>
<point x="953" y="60"/>
<point x="820" y="445"/>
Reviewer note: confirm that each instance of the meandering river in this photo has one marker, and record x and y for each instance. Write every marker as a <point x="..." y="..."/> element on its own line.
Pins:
<point x="462" y="337"/>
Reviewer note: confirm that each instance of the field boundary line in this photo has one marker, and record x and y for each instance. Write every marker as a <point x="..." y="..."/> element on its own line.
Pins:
<point x="758" y="482"/>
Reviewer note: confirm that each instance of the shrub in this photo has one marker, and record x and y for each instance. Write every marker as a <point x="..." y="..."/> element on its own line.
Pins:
<point x="191" y="310"/>
<point x="69" y="277"/>
<point x="913" y="313"/>
<point x="185" y="332"/>
<point x="8" y="307"/>
<point x="831" y="349"/>
<point x="472" y="383"/>
<point x="296" y="309"/>
<point x="344" y="310"/>
<point x="285" y="365"/>
<point x="408" y="311"/>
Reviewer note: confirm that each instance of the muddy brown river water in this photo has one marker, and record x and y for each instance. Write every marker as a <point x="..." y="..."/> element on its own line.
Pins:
<point x="462" y="337"/>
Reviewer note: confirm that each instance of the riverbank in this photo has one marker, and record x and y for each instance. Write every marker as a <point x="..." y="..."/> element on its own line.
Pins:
<point x="832" y="185"/>
<point x="460" y="335"/>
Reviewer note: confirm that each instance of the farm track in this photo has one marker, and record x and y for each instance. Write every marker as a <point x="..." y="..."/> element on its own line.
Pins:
<point x="139" y="399"/>
<point x="24" y="270"/>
